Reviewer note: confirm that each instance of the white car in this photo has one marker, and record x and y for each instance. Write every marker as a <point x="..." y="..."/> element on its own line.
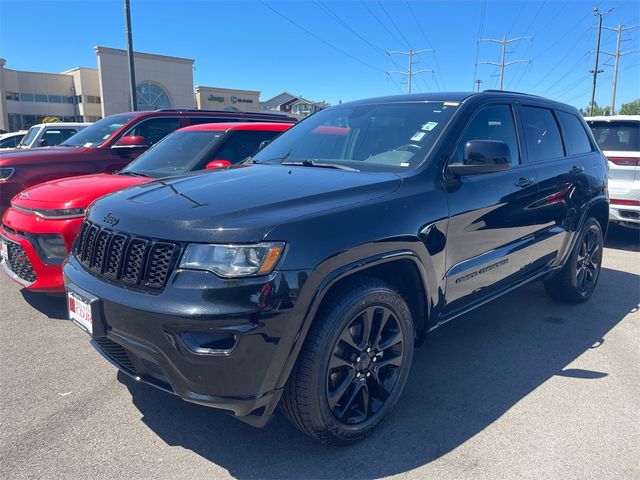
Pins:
<point x="618" y="137"/>
<point x="11" y="140"/>
<point x="50" y="134"/>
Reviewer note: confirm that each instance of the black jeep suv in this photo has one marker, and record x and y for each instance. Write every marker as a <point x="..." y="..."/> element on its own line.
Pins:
<point x="305" y="276"/>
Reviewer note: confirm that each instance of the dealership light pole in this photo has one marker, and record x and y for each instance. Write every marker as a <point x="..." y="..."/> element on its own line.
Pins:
<point x="132" y="72"/>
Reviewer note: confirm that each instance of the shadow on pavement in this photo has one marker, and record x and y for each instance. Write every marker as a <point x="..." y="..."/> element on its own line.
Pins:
<point x="623" y="238"/>
<point x="53" y="306"/>
<point x="466" y="375"/>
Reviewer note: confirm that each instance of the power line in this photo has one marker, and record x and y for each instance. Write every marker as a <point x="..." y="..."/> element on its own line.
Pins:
<point x="435" y="56"/>
<point x="394" y="24"/>
<point x="480" y="28"/>
<point x="330" y="45"/>
<point x="380" y="22"/>
<point x="504" y="42"/>
<point x="620" y="30"/>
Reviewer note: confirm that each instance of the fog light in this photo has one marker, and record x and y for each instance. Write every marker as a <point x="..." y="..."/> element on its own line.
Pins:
<point x="210" y="343"/>
<point x="52" y="245"/>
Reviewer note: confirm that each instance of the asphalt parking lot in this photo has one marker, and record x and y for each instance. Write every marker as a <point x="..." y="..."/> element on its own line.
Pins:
<point x="522" y="388"/>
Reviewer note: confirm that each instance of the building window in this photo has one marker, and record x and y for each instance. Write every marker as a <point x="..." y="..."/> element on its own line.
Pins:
<point x="40" y="98"/>
<point x="26" y="97"/>
<point x="152" y="97"/>
<point x="55" y="99"/>
<point x="15" y="122"/>
<point x="15" y="96"/>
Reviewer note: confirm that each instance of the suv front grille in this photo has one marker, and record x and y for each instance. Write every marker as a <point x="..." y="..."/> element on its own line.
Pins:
<point x="130" y="260"/>
<point x="19" y="263"/>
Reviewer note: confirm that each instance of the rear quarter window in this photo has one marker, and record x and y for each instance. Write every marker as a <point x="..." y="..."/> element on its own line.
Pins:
<point x="575" y="136"/>
<point x="542" y="134"/>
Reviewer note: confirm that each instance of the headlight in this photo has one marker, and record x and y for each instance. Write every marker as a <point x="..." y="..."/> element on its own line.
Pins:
<point x="5" y="173"/>
<point x="52" y="245"/>
<point x="53" y="214"/>
<point x="233" y="260"/>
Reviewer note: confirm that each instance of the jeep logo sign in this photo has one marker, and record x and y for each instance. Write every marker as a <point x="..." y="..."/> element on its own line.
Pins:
<point x="214" y="98"/>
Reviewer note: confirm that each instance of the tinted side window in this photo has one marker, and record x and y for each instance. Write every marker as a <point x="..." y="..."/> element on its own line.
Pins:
<point x="242" y="144"/>
<point x="574" y="134"/>
<point x="494" y="122"/>
<point x="155" y="129"/>
<point x="542" y="134"/>
<point x="55" y="137"/>
<point x="9" y="142"/>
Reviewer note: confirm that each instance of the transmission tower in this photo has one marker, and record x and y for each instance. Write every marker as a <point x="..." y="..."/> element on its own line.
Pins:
<point x="504" y="42"/>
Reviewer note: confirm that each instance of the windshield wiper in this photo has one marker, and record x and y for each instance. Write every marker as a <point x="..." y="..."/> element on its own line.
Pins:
<point x="133" y="174"/>
<point x="312" y="163"/>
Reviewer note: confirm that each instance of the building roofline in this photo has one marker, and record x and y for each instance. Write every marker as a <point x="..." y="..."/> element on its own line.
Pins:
<point x="117" y="51"/>
<point x="230" y="90"/>
<point x="74" y="69"/>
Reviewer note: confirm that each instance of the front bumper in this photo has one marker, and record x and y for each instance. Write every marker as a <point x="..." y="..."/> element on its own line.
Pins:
<point x="149" y="336"/>
<point x="43" y="274"/>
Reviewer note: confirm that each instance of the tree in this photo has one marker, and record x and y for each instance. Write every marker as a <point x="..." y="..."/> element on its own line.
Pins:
<point x="50" y="119"/>
<point x="631" y="108"/>
<point x="597" y="110"/>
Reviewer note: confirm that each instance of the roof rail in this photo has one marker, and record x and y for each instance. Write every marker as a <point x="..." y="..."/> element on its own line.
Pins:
<point x="510" y="91"/>
<point x="225" y="112"/>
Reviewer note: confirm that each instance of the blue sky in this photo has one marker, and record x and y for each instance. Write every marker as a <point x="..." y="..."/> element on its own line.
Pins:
<point x="332" y="51"/>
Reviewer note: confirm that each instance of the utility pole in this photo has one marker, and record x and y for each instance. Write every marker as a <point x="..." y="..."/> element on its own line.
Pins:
<point x="595" y="70"/>
<point x="132" y="72"/>
<point x="478" y="82"/>
<point x="617" y="56"/>
<point x="504" y="42"/>
<point x="410" y="73"/>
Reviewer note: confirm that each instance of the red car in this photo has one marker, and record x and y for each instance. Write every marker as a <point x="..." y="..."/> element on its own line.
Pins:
<point x="106" y="146"/>
<point x="39" y="229"/>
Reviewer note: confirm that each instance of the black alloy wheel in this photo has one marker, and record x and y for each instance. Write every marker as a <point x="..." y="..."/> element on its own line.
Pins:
<point x="364" y="365"/>
<point x="577" y="279"/>
<point x="588" y="262"/>
<point x="354" y="363"/>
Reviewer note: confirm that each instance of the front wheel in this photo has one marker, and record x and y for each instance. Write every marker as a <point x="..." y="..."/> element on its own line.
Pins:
<point x="577" y="280"/>
<point x="354" y="364"/>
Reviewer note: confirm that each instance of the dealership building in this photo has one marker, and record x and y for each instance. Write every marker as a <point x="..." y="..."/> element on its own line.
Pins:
<point x="88" y="94"/>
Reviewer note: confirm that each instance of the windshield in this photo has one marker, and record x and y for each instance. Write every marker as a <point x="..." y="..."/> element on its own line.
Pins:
<point x="29" y="137"/>
<point x="617" y="136"/>
<point x="382" y="137"/>
<point x="178" y="153"/>
<point x="96" y="134"/>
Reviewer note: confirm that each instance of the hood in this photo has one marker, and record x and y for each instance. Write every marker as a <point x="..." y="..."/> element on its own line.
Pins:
<point x="73" y="192"/>
<point x="239" y="204"/>
<point x="25" y="156"/>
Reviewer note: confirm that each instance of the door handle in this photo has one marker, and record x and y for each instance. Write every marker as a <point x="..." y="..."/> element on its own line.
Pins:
<point x="576" y="170"/>
<point x="524" y="182"/>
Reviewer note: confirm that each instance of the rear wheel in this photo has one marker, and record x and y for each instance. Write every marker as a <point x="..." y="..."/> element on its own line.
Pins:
<point x="577" y="280"/>
<point x="354" y="364"/>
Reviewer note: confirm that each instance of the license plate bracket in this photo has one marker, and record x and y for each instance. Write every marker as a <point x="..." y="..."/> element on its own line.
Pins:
<point x="84" y="311"/>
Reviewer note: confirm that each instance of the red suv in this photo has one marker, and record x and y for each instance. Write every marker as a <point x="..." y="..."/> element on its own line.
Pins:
<point x="106" y="146"/>
<point x="40" y="227"/>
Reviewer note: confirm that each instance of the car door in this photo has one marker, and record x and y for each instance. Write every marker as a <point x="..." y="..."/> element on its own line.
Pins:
<point x="560" y="168"/>
<point x="490" y="229"/>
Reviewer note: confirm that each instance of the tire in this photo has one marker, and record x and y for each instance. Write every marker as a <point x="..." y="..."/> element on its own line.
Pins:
<point x="336" y="379"/>
<point x="577" y="280"/>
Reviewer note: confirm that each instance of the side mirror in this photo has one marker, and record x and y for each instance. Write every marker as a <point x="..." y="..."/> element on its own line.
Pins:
<point x="263" y="144"/>
<point x="483" y="156"/>
<point x="217" y="164"/>
<point x="130" y="143"/>
<point x="43" y="142"/>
